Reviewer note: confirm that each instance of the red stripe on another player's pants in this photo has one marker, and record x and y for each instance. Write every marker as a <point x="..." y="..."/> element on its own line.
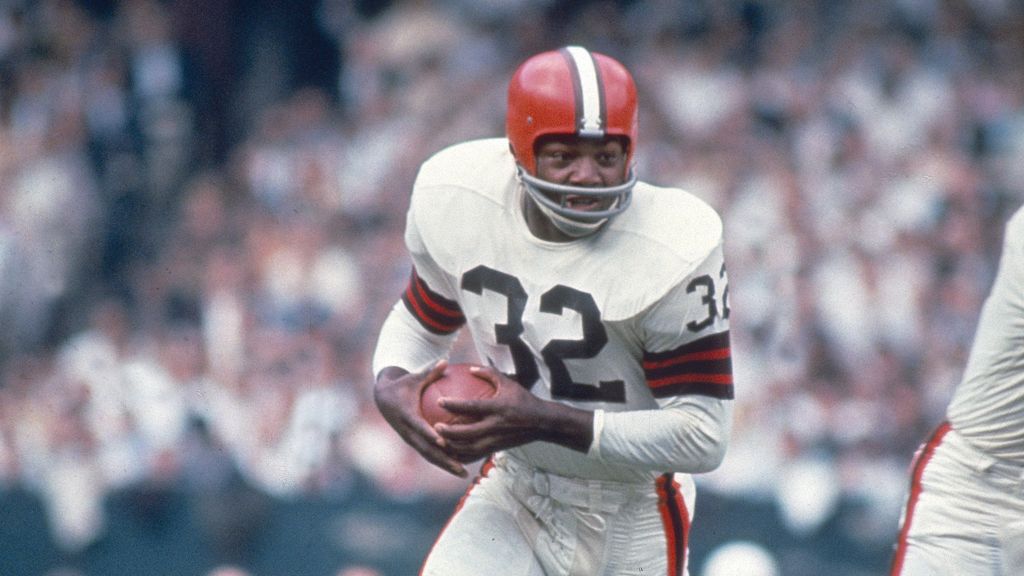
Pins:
<point x="676" y="520"/>
<point x="920" y="463"/>
<point x="484" y="471"/>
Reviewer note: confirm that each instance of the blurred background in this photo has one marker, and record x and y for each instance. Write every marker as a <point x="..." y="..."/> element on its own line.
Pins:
<point x="201" y="212"/>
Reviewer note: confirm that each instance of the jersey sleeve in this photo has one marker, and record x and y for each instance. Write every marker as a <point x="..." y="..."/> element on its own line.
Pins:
<point x="686" y="336"/>
<point x="422" y="326"/>
<point x="687" y="363"/>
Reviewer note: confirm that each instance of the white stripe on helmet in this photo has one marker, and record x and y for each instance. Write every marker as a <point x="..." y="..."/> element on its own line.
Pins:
<point x="590" y="89"/>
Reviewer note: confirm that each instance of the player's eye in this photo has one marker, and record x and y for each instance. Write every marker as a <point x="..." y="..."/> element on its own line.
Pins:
<point x="559" y="156"/>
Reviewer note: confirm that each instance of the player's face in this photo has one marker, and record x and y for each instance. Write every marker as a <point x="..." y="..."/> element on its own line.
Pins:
<point x="582" y="162"/>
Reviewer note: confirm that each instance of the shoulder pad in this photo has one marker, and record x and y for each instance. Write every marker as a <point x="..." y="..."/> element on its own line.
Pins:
<point x="460" y="193"/>
<point x="656" y="244"/>
<point x="470" y="165"/>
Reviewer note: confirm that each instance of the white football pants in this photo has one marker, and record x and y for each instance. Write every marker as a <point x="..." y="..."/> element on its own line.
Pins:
<point x="964" y="515"/>
<point x="518" y="521"/>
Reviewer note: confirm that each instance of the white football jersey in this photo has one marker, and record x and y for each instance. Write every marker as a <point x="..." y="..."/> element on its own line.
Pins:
<point x="987" y="408"/>
<point x="634" y="317"/>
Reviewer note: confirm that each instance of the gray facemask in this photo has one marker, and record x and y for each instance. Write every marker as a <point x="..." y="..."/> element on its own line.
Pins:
<point x="572" y="222"/>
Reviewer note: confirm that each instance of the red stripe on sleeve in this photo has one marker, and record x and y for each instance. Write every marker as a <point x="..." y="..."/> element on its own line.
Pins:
<point x="722" y="379"/>
<point x="718" y="354"/>
<point x="432" y="303"/>
<point x="422" y="316"/>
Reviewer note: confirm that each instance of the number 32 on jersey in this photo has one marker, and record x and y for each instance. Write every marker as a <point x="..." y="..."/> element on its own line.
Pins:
<point x="589" y="343"/>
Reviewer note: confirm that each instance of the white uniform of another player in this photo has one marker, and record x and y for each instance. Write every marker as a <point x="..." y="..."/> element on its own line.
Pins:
<point x="631" y="322"/>
<point x="965" y="514"/>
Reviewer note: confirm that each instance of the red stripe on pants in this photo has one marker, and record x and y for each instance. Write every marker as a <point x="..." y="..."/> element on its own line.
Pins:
<point x="920" y="462"/>
<point x="488" y="465"/>
<point x="676" y="520"/>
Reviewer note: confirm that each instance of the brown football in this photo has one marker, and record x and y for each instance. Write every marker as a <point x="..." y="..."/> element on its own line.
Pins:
<point x="456" y="382"/>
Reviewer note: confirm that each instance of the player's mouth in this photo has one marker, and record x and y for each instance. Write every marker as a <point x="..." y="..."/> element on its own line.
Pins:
<point x="581" y="202"/>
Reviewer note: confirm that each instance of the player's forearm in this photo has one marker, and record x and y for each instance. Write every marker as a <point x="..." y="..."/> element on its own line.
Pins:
<point x="691" y="438"/>
<point x="567" y="426"/>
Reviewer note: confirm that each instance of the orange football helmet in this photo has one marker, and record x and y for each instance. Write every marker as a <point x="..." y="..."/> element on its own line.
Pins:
<point x="576" y="92"/>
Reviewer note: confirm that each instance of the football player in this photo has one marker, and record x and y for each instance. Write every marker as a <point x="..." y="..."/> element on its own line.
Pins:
<point x="965" y="510"/>
<point x="599" y="307"/>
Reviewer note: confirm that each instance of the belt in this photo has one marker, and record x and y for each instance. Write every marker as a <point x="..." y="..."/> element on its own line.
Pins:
<point x="597" y="495"/>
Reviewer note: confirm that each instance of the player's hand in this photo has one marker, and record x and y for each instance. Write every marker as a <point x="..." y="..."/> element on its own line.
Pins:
<point x="510" y="418"/>
<point x="397" y="395"/>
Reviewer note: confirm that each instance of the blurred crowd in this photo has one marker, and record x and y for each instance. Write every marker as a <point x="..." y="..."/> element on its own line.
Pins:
<point x="202" y="203"/>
